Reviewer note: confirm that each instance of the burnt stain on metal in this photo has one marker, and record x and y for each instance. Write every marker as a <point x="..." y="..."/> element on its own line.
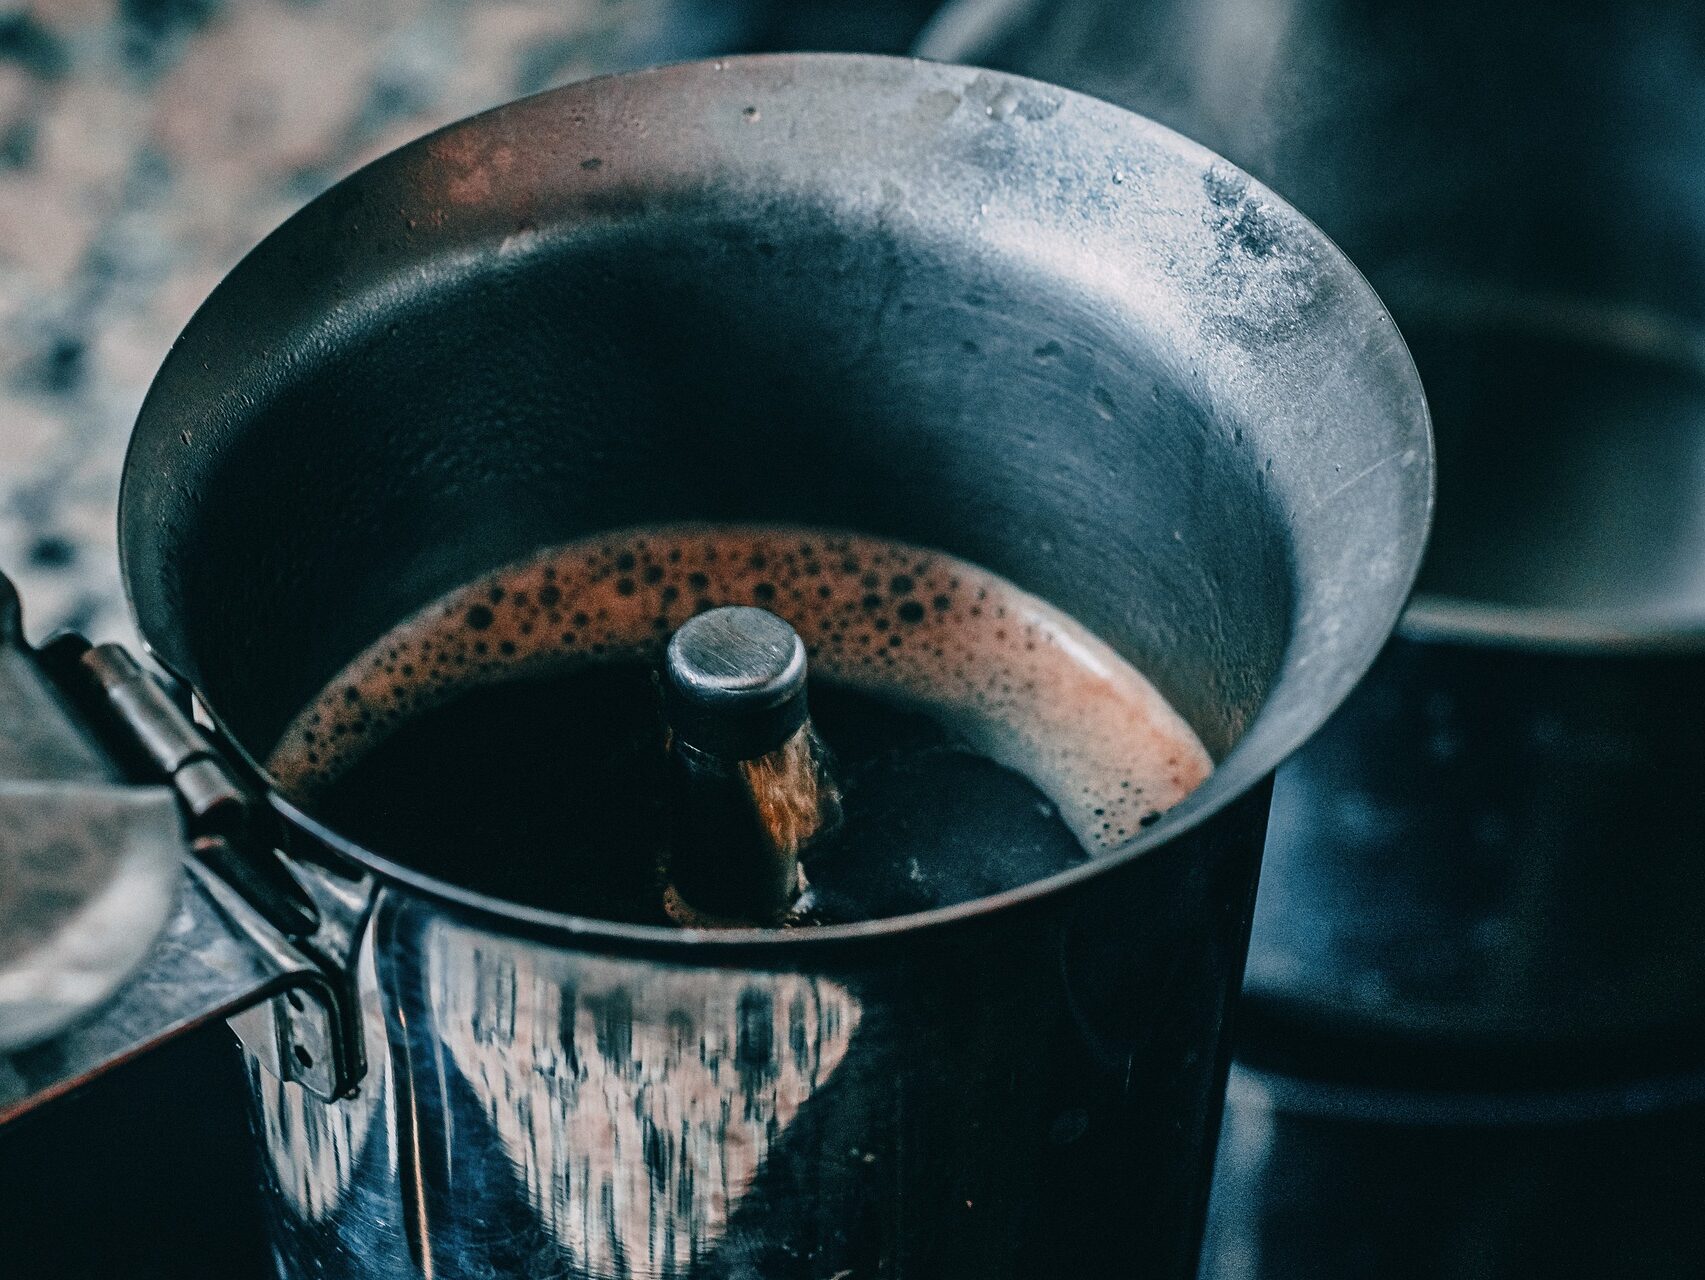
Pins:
<point x="936" y="105"/>
<point x="1240" y="222"/>
<point x="1264" y="304"/>
<point x="1003" y="99"/>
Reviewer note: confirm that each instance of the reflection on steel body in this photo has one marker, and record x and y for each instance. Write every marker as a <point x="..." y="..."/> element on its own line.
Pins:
<point x="580" y="1072"/>
<point x="310" y="1148"/>
<point x="633" y="1104"/>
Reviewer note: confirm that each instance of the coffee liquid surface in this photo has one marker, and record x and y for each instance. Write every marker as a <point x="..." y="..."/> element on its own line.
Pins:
<point x="508" y="737"/>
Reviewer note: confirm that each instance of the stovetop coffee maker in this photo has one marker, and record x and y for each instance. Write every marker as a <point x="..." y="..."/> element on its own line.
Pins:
<point x="996" y="323"/>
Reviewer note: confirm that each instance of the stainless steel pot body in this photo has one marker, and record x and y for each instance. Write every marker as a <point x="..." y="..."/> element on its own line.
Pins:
<point x="986" y="1099"/>
<point x="962" y="309"/>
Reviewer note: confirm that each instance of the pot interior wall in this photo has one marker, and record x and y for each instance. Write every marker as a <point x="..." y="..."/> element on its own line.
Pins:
<point x="690" y="363"/>
<point x="925" y="302"/>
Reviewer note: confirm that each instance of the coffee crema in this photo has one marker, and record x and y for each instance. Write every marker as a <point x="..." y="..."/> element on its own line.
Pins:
<point x="1011" y="676"/>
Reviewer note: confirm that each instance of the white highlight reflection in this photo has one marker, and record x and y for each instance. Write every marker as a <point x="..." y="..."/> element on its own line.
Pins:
<point x="637" y="1100"/>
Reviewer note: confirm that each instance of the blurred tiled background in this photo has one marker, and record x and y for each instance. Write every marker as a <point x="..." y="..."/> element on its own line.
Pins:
<point x="145" y="145"/>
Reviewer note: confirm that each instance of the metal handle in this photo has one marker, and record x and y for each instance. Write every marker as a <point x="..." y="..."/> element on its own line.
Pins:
<point x="104" y="784"/>
<point x="217" y="958"/>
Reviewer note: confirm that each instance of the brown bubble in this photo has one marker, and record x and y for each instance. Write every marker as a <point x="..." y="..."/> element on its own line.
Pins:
<point x="1035" y="692"/>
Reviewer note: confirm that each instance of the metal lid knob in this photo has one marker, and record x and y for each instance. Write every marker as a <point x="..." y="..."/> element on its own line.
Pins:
<point x="734" y="682"/>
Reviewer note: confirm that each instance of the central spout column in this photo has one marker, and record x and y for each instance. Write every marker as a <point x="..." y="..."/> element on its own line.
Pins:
<point x="749" y="789"/>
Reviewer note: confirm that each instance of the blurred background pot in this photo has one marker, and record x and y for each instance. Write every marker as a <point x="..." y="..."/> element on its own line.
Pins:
<point x="1483" y="879"/>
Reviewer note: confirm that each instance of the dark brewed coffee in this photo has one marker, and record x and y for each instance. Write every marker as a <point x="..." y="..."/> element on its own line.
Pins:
<point x="509" y="737"/>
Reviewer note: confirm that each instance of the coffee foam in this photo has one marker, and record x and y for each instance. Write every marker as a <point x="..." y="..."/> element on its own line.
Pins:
<point x="1020" y="681"/>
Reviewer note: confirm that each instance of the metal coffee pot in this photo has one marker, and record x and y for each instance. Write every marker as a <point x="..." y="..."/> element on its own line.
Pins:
<point x="962" y="309"/>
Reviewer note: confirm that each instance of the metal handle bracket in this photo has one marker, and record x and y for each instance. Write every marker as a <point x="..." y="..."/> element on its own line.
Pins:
<point x="86" y="729"/>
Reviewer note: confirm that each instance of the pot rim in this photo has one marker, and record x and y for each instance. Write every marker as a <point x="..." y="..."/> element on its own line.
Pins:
<point x="1252" y="759"/>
